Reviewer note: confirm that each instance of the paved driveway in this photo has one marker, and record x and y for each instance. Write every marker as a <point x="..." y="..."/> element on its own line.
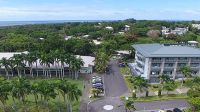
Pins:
<point x="114" y="82"/>
<point x="114" y="88"/>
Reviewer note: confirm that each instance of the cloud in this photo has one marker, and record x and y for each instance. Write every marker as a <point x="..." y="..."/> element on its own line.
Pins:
<point x="91" y="13"/>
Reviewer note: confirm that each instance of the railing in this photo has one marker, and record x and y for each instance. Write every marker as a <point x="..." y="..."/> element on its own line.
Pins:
<point x="156" y="61"/>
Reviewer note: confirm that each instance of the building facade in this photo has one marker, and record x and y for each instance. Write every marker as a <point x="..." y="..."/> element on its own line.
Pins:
<point x="153" y="60"/>
<point x="38" y="68"/>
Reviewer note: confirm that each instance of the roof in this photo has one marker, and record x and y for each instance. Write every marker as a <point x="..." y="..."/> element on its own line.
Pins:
<point x="96" y="42"/>
<point x="192" y="42"/>
<point x="161" y="50"/>
<point x="123" y="52"/>
<point x="88" y="60"/>
<point x="8" y="55"/>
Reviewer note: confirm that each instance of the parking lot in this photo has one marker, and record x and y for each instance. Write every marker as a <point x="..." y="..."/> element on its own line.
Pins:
<point x="97" y="83"/>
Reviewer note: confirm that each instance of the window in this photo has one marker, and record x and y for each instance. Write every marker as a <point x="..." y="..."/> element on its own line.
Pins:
<point x="155" y="73"/>
<point x="181" y="64"/>
<point x="167" y="72"/>
<point x="169" y="64"/>
<point x="182" y="58"/>
<point x="194" y="64"/>
<point x="155" y="65"/>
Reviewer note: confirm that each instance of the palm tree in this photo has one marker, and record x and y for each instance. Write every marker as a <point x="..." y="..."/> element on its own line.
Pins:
<point x="5" y="88"/>
<point x="30" y="59"/>
<point x="73" y="94"/>
<point x="169" y="86"/>
<point x="163" y="79"/>
<point x="129" y="105"/>
<point x="78" y="63"/>
<point x="35" y="91"/>
<point x="47" y="91"/>
<point x="55" y="56"/>
<point x="11" y="66"/>
<point x="63" y="88"/>
<point x="186" y="72"/>
<point x="139" y="83"/>
<point x="101" y="61"/>
<point x="62" y="59"/>
<point x="20" y="89"/>
<point x="18" y="61"/>
<point x="45" y="60"/>
<point x="4" y="62"/>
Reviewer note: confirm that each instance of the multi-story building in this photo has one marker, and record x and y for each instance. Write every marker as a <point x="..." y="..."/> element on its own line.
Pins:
<point x="177" y="31"/>
<point x="152" y="60"/>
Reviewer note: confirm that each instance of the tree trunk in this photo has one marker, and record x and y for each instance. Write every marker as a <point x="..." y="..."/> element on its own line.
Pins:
<point x="182" y="82"/>
<point x="7" y="73"/>
<point x="18" y="71"/>
<point x="37" y="68"/>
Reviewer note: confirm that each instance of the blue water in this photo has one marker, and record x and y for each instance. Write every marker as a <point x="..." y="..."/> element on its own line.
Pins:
<point x="13" y="23"/>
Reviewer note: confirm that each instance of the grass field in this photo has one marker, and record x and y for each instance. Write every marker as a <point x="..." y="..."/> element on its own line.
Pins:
<point x="55" y="105"/>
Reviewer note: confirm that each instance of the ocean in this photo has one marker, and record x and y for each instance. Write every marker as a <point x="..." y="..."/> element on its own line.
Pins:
<point x="14" y="23"/>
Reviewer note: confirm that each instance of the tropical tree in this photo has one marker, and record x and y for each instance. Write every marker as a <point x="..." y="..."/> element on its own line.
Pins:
<point x="20" y="89"/>
<point x="169" y="86"/>
<point x="77" y="63"/>
<point x="46" y="60"/>
<point x="139" y="83"/>
<point x="129" y="105"/>
<point x="46" y="90"/>
<point x="5" y="88"/>
<point x="73" y="94"/>
<point x="186" y="72"/>
<point x="35" y="91"/>
<point x="163" y="79"/>
<point x="5" y="63"/>
<point x="95" y="92"/>
<point x="101" y="61"/>
<point x="30" y="59"/>
<point x="11" y="66"/>
<point x="18" y="60"/>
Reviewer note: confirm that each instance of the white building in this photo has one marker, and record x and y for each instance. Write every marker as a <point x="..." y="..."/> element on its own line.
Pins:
<point x="96" y="42"/>
<point x="109" y="28"/>
<point x="196" y="26"/>
<point x="177" y="31"/>
<point x="153" y="60"/>
<point x="126" y="28"/>
<point x="87" y="68"/>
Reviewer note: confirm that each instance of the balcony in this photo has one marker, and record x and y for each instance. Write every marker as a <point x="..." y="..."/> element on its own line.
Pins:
<point x="183" y="61"/>
<point x="169" y="60"/>
<point x="156" y="61"/>
<point x="156" y="68"/>
<point x="195" y="60"/>
<point x="169" y="68"/>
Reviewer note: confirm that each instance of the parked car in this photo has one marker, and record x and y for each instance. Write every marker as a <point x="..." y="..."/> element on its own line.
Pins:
<point x="97" y="85"/>
<point x="169" y="111"/>
<point x="177" y="110"/>
<point x="122" y="65"/>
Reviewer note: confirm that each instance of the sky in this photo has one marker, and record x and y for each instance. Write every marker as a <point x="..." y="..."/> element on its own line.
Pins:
<point x="36" y="10"/>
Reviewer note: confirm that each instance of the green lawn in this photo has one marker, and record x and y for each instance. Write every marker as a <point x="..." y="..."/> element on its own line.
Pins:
<point x="125" y="71"/>
<point x="54" y="104"/>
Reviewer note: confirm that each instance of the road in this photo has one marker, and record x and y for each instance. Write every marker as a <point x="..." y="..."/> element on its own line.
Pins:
<point x="157" y="105"/>
<point x="114" y="82"/>
<point x="114" y="88"/>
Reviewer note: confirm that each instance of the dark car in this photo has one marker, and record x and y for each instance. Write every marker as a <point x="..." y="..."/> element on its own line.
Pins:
<point x="177" y="110"/>
<point x="169" y="111"/>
